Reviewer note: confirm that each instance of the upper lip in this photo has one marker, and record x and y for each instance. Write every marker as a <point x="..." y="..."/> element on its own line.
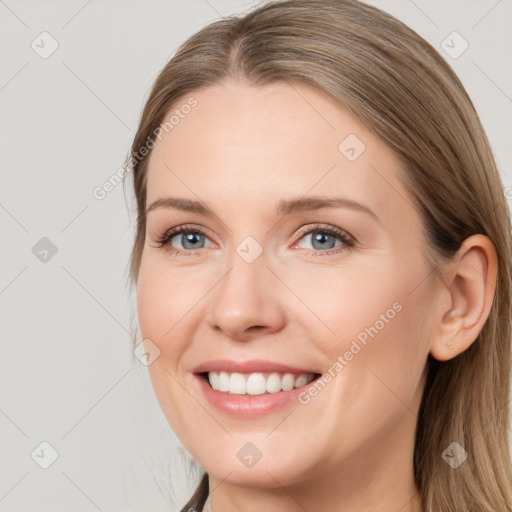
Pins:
<point x="252" y="366"/>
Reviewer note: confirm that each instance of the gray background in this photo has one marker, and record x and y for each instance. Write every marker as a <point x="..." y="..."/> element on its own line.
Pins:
<point x="67" y="374"/>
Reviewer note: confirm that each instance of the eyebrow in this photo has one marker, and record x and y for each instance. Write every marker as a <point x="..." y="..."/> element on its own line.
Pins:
<point x="285" y="206"/>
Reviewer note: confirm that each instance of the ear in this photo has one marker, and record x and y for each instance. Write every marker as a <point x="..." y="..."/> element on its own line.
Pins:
<point x="470" y="284"/>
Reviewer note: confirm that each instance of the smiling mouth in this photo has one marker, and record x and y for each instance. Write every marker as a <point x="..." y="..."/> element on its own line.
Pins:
<point x="257" y="383"/>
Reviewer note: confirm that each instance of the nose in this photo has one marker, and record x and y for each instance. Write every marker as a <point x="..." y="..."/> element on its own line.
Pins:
<point x="247" y="302"/>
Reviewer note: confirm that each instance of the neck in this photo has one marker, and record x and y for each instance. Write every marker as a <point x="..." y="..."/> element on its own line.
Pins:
<point x="402" y="496"/>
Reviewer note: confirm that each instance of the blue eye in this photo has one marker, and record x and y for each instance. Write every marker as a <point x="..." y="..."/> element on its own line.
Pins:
<point x="323" y="238"/>
<point x="191" y="239"/>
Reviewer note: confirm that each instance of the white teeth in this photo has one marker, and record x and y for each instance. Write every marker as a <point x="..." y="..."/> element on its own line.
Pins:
<point x="214" y="380"/>
<point x="273" y="383"/>
<point x="288" y="382"/>
<point x="301" y="380"/>
<point x="257" y="383"/>
<point x="237" y="384"/>
<point x="223" y="381"/>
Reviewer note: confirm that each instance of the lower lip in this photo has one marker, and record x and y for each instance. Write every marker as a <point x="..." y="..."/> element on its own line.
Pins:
<point x="249" y="406"/>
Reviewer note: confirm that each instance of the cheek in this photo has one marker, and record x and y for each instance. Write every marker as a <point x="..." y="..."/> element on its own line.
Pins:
<point x="351" y="302"/>
<point x="163" y="302"/>
<point x="165" y="298"/>
<point x="160" y="305"/>
<point x="153" y="307"/>
<point x="376" y="320"/>
<point x="377" y="360"/>
<point x="383" y="337"/>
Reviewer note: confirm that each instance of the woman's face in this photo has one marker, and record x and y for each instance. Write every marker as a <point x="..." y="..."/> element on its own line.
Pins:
<point x="273" y="280"/>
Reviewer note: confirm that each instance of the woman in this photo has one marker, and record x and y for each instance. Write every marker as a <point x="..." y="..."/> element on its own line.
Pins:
<point x="322" y="262"/>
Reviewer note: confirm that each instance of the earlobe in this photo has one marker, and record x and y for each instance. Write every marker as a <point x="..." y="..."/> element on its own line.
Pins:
<point x="471" y="284"/>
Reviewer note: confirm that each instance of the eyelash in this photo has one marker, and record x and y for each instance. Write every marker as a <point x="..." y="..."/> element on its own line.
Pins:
<point x="348" y="241"/>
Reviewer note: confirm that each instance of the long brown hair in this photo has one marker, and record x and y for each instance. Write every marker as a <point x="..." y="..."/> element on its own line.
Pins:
<point x="401" y="88"/>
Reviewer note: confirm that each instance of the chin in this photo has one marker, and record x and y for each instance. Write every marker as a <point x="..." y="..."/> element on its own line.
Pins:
<point x="265" y="474"/>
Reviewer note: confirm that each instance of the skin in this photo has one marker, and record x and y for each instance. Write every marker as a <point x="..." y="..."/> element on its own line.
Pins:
<point x="241" y="150"/>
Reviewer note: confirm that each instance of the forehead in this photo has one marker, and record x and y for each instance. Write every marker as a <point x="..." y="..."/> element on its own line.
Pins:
<point x="243" y="144"/>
